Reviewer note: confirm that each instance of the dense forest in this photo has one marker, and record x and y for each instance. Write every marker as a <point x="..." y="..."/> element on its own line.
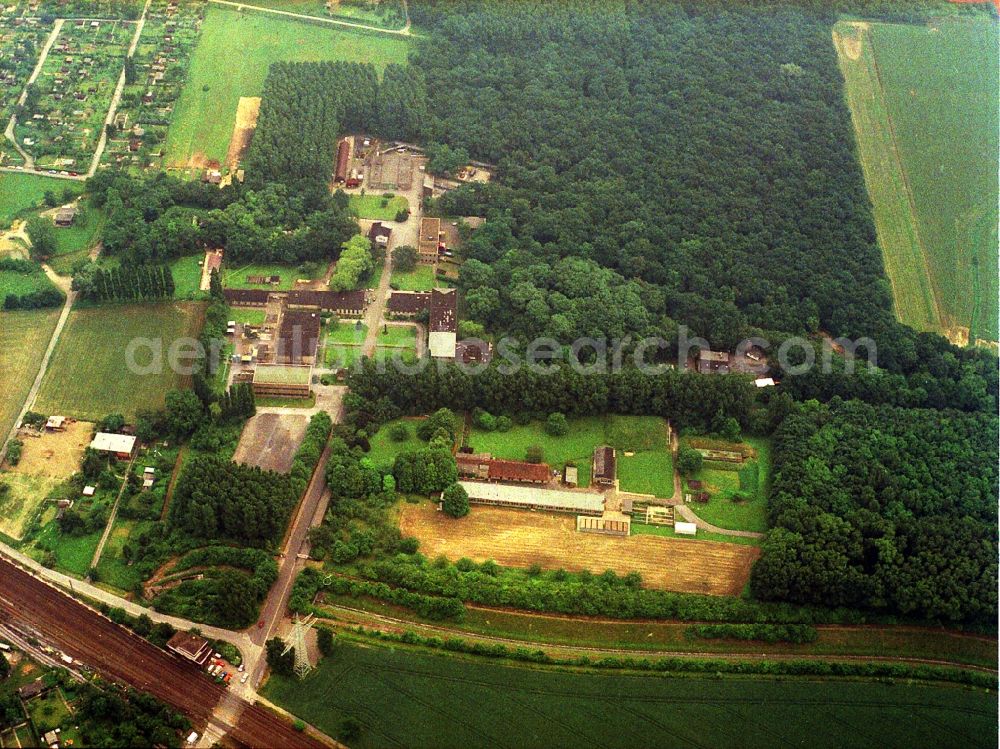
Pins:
<point x="702" y="153"/>
<point x="701" y="402"/>
<point x="306" y="106"/>
<point x="216" y="498"/>
<point x="160" y="218"/>
<point x="892" y="509"/>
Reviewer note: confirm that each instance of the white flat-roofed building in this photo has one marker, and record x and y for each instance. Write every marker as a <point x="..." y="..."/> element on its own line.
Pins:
<point x="534" y="498"/>
<point x="122" y="445"/>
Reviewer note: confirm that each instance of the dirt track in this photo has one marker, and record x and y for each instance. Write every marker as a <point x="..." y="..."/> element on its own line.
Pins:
<point x="117" y="654"/>
<point x="269" y="440"/>
<point x="243" y="130"/>
<point x="519" y="538"/>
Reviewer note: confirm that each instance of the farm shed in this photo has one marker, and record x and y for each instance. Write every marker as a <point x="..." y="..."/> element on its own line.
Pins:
<point x="56" y="423"/>
<point x="190" y="646"/>
<point x="491" y="469"/>
<point x="121" y="445"/>
<point x="430" y="240"/>
<point x="685" y="529"/>
<point x="603" y="470"/>
<point x="533" y="498"/>
<point x="570" y="475"/>
<point x="713" y="362"/>
<point x="66" y="215"/>
<point x="619" y="525"/>
<point x="443" y="323"/>
<point x="282" y="381"/>
<point x="343" y="158"/>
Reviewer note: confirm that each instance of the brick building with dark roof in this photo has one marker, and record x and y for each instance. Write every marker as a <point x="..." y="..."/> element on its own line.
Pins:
<point x="487" y="468"/>
<point x="408" y="303"/>
<point x="298" y="337"/>
<point x="246" y="297"/>
<point x="342" y="302"/>
<point x="443" y="326"/>
<point x="604" y="468"/>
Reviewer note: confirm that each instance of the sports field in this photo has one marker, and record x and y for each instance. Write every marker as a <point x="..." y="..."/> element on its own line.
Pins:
<point x="519" y="538"/>
<point x="24" y="337"/>
<point x="89" y="376"/>
<point x="403" y="698"/>
<point x="923" y="100"/>
<point x="206" y="111"/>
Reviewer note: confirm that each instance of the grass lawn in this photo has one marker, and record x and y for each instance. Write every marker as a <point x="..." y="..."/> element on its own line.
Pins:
<point x="19" y="505"/>
<point x="286" y="403"/>
<point x="73" y="243"/>
<point x="24" y="336"/>
<point x="21" y="192"/>
<point x="721" y="484"/>
<point x="337" y="356"/>
<point x="649" y="471"/>
<point x="406" y="698"/>
<point x="923" y="99"/>
<point x="236" y="278"/>
<point x="421" y="278"/>
<point x="49" y="712"/>
<point x="375" y="276"/>
<point x="206" y="111"/>
<point x="187" y="277"/>
<point x="347" y="331"/>
<point x="73" y="553"/>
<point x="89" y="375"/>
<point x="113" y="569"/>
<point x="20" y="284"/>
<point x="371" y="206"/>
<point x="384" y="450"/>
<point x="397" y="335"/>
<point x="247" y="315"/>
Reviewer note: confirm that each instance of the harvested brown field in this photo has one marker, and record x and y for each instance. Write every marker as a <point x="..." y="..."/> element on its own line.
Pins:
<point x="269" y="440"/>
<point x="243" y="129"/>
<point x="518" y="538"/>
<point x="54" y="454"/>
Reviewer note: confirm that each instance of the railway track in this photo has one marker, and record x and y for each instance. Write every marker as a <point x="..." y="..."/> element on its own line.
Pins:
<point x="120" y="655"/>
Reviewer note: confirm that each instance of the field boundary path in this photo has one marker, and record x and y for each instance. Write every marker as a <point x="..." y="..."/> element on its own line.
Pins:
<point x="29" y="399"/>
<point x="113" y="109"/>
<point x="29" y="161"/>
<point x="111" y="518"/>
<point x="405" y="31"/>
<point x="354" y="616"/>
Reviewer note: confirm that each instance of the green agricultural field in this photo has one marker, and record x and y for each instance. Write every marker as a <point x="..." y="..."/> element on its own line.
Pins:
<point x="377" y="207"/>
<point x="923" y="100"/>
<point x="24" y="336"/>
<point x="21" y="192"/>
<point x="405" y="698"/>
<point x="88" y="376"/>
<point x="73" y="554"/>
<point x="421" y="278"/>
<point x="206" y="111"/>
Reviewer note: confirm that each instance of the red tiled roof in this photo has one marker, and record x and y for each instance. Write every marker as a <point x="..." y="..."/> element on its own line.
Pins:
<point x="515" y="470"/>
